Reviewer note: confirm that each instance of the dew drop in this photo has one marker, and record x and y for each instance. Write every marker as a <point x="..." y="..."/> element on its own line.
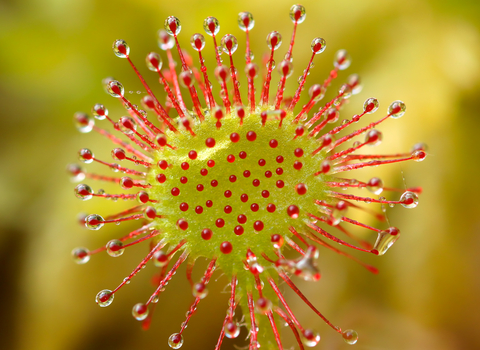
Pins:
<point x="86" y="156"/>
<point x="371" y="105"/>
<point x="373" y="137"/>
<point x="83" y="122"/>
<point x="198" y="41"/>
<point x="175" y="341"/>
<point x="297" y="13"/>
<point x="140" y="311"/>
<point x="310" y="338"/>
<point x="263" y="306"/>
<point x="245" y="21"/>
<point x="115" y="88"/>
<point x="211" y="26"/>
<point x="419" y="155"/>
<point x="81" y="255"/>
<point x="274" y="40"/>
<point x="115" y="248"/>
<point x="104" y="298"/>
<point x="355" y="84"/>
<point x="339" y="212"/>
<point x="127" y="125"/>
<point x="409" y="199"/>
<point x="120" y="48"/>
<point x="100" y="112"/>
<point x="154" y="61"/>
<point x="232" y="330"/>
<point x="385" y="240"/>
<point x="229" y="44"/>
<point x="94" y="222"/>
<point x="251" y="69"/>
<point x="160" y="259"/>
<point x="172" y="25"/>
<point x="350" y="336"/>
<point x="342" y="60"/>
<point x="200" y="290"/>
<point x="318" y="46"/>
<point x="165" y="41"/>
<point x="83" y="192"/>
<point x="397" y="109"/>
<point x="285" y="68"/>
<point x="375" y="185"/>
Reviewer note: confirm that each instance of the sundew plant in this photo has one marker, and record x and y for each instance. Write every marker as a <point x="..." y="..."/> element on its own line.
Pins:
<point x="240" y="175"/>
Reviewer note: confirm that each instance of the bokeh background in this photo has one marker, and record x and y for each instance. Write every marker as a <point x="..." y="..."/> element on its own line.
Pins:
<point x="53" y="56"/>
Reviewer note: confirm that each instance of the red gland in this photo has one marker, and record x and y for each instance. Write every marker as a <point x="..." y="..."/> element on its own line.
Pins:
<point x="271" y="208"/>
<point x="183" y="206"/>
<point x="209" y="203"/>
<point x="161" y="178"/>
<point x="293" y="211"/>
<point x="183" y="180"/>
<point x="226" y="247"/>
<point x="143" y="197"/>
<point x="277" y="241"/>
<point x="279" y="159"/>
<point x="192" y="155"/>
<point x="234" y="137"/>
<point x="297" y="165"/>
<point x="126" y="182"/>
<point x="162" y="164"/>
<point x="220" y="223"/>
<point x="258" y="225"/>
<point x="210" y="142"/>
<point x="301" y="189"/>
<point x="206" y="234"/>
<point x="242" y="219"/>
<point x="238" y="230"/>
<point x="150" y="213"/>
<point x="242" y="155"/>
<point x="182" y="224"/>
<point x="119" y="154"/>
<point x="298" y="152"/>
<point x="199" y="209"/>
<point x="299" y="131"/>
<point x="325" y="167"/>
<point x="251" y="136"/>
<point x="273" y="143"/>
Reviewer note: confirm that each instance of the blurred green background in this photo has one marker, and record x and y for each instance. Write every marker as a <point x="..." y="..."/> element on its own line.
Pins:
<point x="53" y="56"/>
